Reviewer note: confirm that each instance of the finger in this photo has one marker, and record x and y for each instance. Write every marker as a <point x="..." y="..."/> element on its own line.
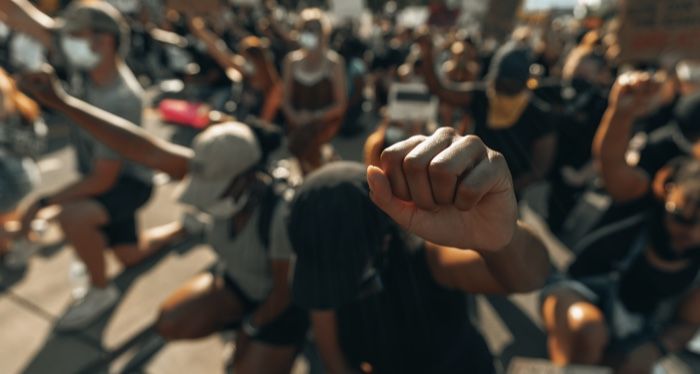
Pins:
<point x="448" y="167"/>
<point x="382" y="196"/>
<point x="416" y="167"/>
<point x="491" y="175"/>
<point x="391" y="162"/>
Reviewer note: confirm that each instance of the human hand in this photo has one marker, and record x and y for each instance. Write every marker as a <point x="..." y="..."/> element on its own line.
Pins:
<point x="44" y="87"/>
<point x="449" y="190"/>
<point x="633" y="93"/>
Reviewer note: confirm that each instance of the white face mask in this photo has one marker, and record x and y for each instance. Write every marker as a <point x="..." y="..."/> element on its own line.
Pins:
<point x="79" y="53"/>
<point x="227" y="208"/>
<point x="308" y="40"/>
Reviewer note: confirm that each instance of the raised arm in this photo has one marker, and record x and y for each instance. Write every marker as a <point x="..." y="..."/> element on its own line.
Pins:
<point x="216" y="48"/>
<point x="629" y="97"/>
<point x="129" y="140"/>
<point x="455" y="192"/>
<point x="456" y="94"/>
<point x="23" y="16"/>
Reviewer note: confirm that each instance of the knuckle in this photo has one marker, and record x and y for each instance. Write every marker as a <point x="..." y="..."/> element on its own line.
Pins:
<point x="440" y="169"/>
<point x="413" y="164"/>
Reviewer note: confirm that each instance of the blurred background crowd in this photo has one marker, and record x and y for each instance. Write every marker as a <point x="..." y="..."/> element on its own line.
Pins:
<point x="593" y="104"/>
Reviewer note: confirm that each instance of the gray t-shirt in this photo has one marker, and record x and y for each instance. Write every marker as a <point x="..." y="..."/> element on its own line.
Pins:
<point x="246" y="260"/>
<point x="124" y="98"/>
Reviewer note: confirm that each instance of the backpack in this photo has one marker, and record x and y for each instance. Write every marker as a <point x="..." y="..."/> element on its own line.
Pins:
<point x="275" y="192"/>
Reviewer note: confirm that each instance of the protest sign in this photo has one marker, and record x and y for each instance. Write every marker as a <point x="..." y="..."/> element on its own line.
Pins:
<point x="500" y="18"/>
<point x="651" y="28"/>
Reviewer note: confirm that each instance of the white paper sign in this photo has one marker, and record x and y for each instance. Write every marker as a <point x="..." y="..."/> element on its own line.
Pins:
<point x="412" y="102"/>
<point x="348" y="9"/>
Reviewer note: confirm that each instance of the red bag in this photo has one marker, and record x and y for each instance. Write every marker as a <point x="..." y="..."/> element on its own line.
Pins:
<point x="181" y="112"/>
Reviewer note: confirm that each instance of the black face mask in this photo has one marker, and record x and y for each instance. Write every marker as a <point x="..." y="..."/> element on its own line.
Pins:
<point x="661" y="239"/>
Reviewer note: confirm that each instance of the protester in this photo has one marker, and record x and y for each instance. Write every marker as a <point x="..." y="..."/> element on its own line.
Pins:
<point x="22" y="137"/>
<point x="579" y="101"/>
<point x="224" y="176"/>
<point x="506" y="114"/>
<point x="461" y="67"/>
<point x="262" y="91"/>
<point x="99" y="210"/>
<point x="315" y="93"/>
<point x="380" y="296"/>
<point x="633" y="315"/>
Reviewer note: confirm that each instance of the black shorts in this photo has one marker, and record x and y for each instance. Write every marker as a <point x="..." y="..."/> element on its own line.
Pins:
<point x="122" y="202"/>
<point x="288" y="329"/>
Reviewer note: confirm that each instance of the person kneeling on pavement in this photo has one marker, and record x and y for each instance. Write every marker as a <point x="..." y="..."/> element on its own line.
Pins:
<point x="386" y="290"/>
<point x="647" y="305"/>
<point x="224" y="176"/>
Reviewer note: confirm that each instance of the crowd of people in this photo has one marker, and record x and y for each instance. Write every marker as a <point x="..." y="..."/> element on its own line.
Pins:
<point x="370" y="263"/>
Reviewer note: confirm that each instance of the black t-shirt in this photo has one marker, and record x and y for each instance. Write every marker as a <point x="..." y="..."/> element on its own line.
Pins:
<point x="413" y="325"/>
<point x="577" y="109"/>
<point x="516" y="143"/>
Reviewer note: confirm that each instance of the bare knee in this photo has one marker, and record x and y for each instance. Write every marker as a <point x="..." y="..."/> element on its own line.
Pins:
<point x="589" y="332"/>
<point x="80" y="216"/>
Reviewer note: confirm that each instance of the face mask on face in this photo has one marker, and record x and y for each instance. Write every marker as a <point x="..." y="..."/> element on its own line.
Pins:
<point x="79" y="53"/>
<point x="228" y="207"/>
<point x="308" y="40"/>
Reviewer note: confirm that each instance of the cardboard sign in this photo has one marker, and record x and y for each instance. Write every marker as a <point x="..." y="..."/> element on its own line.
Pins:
<point x="348" y="9"/>
<point x="500" y="18"/>
<point x="412" y="102"/>
<point x="521" y="365"/>
<point x="651" y="28"/>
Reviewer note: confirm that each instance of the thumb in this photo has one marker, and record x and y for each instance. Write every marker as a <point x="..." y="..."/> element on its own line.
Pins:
<point x="380" y="193"/>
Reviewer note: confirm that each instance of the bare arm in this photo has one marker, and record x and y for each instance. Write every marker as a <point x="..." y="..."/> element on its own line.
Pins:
<point x="216" y="48"/>
<point x="21" y="15"/>
<point x="128" y="139"/>
<point x="325" y="328"/>
<point x="522" y="266"/>
<point x="280" y="297"/>
<point x="455" y="94"/>
<point x="273" y="102"/>
<point x="622" y="181"/>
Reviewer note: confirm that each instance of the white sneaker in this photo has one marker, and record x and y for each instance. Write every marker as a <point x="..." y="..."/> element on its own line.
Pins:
<point x="22" y="251"/>
<point x="86" y="310"/>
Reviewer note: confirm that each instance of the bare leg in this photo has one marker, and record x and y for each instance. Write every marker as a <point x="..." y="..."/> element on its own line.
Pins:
<point x="81" y="222"/>
<point x="198" y="309"/>
<point x="152" y="242"/>
<point x="577" y="330"/>
<point x="257" y="357"/>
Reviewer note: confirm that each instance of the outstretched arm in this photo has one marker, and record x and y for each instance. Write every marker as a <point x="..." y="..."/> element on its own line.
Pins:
<point x="129" y="140"/>
<point x="22" y="16"/>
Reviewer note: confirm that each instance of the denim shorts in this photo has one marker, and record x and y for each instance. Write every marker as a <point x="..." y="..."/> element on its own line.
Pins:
<point x="18" y="177"/>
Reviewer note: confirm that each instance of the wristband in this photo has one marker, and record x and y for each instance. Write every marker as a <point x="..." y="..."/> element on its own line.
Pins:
<point x="660" y="346"/>
<point x="248" y="327"/>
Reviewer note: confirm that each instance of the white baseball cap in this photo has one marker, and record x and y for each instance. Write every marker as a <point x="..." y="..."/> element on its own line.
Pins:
<point x="221" y="153"/>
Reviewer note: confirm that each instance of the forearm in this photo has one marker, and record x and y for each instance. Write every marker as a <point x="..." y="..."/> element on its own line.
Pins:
<point x="458" y="97"/>
<point x="521" y="266"/>
<point x="129" y="140"/>
<point x="612" y="139"/>
<point x="273" y="307"/>
<point x="22" y="16"/>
